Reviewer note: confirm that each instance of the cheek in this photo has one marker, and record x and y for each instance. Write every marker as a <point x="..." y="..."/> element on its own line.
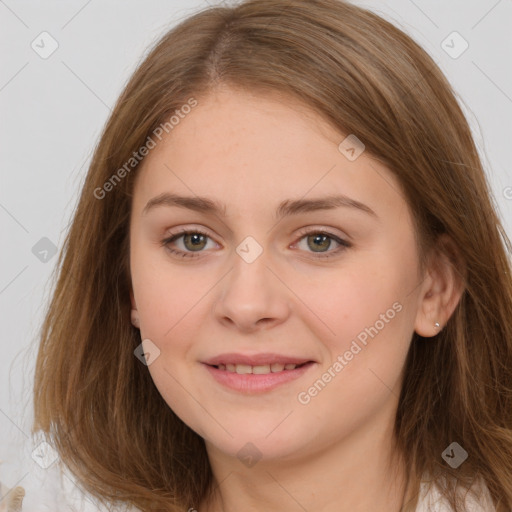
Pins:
<point x="367" y="351"/>
<point x="348" y="299"/>
<point x="364" y="311"/>
<point x="165" y="292"/>
<point x="169" y="301"/>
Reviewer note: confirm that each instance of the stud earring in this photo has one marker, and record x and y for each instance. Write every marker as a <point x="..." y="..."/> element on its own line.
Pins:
<point x="437" y="325"/>
<point x="135" y="319"/>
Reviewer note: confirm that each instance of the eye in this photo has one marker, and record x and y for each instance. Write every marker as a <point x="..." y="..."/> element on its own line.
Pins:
<point x="194" y="240"/>
<point x="322" y="240"/>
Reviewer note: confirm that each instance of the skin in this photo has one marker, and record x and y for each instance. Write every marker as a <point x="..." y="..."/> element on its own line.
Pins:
<point x="252" y="151"/>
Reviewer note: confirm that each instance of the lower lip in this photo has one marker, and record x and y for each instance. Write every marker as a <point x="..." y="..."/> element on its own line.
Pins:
<point x="256" y="383"/>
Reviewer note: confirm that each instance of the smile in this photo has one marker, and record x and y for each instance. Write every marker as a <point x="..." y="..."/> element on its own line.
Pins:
<point x="263" y="369"/>
<point x="256" y="379"/>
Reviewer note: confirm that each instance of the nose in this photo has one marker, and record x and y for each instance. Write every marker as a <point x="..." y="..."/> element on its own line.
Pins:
<point x="252" y="296"/>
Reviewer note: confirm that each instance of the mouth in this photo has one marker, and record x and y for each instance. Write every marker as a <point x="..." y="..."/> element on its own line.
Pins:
<point x="260" y="369"/>
<point x="258" y="373"/>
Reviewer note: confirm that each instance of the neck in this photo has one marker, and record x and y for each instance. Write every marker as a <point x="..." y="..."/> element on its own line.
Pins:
<point x="355" y="475"/>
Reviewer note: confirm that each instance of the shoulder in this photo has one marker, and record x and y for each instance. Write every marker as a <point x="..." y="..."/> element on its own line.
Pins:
<point x="478" y="500"/>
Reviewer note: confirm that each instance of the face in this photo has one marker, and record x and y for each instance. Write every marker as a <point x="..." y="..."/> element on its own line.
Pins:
<point x="329" y="286"/>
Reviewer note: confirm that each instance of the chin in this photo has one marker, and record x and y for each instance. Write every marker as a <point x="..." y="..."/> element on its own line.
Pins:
<point x="252" y="444"/>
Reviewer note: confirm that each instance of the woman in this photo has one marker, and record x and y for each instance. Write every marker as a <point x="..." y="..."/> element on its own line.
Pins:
<point x="260" y="372"/>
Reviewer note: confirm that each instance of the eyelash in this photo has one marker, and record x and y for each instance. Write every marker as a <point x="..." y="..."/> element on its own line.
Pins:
<point x="344" y="245"/>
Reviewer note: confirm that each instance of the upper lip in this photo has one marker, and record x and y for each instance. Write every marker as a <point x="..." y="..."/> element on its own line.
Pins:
<point x="256" y="359"/>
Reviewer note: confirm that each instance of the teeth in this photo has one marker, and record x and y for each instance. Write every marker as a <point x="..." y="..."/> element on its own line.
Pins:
<point x="243" y="368"/>
<point x="258" y="370"/>
<point x="265" y="368"/>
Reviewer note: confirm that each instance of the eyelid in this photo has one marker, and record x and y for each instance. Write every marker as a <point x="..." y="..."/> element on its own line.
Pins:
<point x="318" y="228"/>
<point x="315" y="228"/>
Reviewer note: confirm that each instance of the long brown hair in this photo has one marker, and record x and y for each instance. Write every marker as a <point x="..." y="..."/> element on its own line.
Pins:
<point x="94" y="399"/>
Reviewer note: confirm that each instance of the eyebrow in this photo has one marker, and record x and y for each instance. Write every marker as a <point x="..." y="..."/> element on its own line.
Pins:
<point x="285" y="208"/>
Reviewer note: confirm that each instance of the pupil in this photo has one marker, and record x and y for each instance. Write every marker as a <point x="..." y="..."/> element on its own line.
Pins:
<point x="320" y="238"/>
<point x="195" y="239"/>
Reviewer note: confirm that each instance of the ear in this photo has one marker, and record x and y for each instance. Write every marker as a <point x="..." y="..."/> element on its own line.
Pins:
<point x="134" y="312"/>
<point x="442" y="288"/>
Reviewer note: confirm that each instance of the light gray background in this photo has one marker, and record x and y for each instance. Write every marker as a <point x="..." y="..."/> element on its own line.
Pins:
<point x="52" y="113"/>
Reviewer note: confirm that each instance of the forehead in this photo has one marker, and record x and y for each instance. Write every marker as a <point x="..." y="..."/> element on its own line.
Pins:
<point x="251" y="149"/>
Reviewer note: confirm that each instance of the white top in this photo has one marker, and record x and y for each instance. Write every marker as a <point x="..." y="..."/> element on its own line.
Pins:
<point x="434" y="502"/>
<point x="56" y="492"/>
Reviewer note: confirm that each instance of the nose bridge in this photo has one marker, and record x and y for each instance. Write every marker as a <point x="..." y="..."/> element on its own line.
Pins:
<point x="250" y="274"/>
<point x="251" y="292"/>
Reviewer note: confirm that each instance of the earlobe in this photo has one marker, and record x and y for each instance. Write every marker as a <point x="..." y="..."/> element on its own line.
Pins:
<point x="135" y="318"/>
<point x="430" y="317"/>
<point x="441" y="291"/>
<point x="134" y="312"/>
